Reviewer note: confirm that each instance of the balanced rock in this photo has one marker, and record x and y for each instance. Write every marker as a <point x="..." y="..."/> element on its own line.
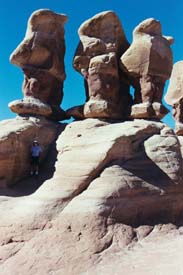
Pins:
<point x="41" y="57"/>
<point x="148" y="64"/>
<point x="102" y="41"/>
<point x="174" y="96"/>
<point x="30" y="105"/>
<point x="113" y="183"/>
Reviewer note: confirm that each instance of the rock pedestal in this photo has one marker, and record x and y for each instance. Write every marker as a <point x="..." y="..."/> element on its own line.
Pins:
<point x="174" y="96"/>
<point x="103" y="83"/>
<point x="102" y="41"/>
<point x="41" y="57"/>
<point x="148" y="64"/>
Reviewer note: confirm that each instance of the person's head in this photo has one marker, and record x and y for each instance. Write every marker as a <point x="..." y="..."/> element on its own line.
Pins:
<point x="35" y="142"/>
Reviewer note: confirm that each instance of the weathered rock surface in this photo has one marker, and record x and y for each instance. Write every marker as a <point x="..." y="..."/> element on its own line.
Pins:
<point x="113" y="183"/>
<point x="41" y="57"/>
<point x="160" y="252"/>
<point x="174" y="96"/>
<point x="148" y="64"/>
<point x="16" y="137"/>
<point x="102" y="42"/>
<point x="30" y="105"/>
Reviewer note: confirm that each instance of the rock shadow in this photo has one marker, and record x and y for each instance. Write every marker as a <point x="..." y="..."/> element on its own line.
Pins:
<point x="146" y="169"/>
<point x="150" y="196"/>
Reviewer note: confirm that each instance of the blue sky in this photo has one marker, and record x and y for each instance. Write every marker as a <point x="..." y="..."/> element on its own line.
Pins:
<point x="13" y="22"/>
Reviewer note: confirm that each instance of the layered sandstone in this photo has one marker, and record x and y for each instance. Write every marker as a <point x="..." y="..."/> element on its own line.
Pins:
<point x="112" y="184"/>
<point x="109" y="196"/>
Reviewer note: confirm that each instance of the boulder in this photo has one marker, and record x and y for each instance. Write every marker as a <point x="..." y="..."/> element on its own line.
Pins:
<point x="30" y="105"/>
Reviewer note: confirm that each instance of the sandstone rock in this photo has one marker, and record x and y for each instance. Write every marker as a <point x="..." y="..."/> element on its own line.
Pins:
<point x="174" y="96"/>
<point x="41" y="57"/>
<point x="30" y="105"/>
<point x="16" y="139"/>
<point x="76" y="112"/>
<point x="180" y="138"/>
<point x="148" y="64"/>
<point x="174" y="92"/>
<point x="102" y="41"/>
<point x="111" y="38"/>
<point x="109" y="180"/>
<point x="168" y="159"/>
<point x="160" y="254"/>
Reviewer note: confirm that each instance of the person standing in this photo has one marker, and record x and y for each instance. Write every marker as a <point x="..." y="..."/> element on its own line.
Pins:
<point x="35" y="156"/>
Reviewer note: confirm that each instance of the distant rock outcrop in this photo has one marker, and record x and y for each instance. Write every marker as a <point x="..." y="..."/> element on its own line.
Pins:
<point x="41" y="57"/>
<point x="112" y="184"/>
<point x="148" y="64"/>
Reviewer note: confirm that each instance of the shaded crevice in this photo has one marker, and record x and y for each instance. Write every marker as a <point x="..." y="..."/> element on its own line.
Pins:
<point x="30" y="184"/>
<point x="12" y="254"/>
<point x="106" y="246"/>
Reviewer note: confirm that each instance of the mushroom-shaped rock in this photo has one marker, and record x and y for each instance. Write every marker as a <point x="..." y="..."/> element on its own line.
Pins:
<point x="41" y="57"/>
<point x="102" y="41"/>
<point x="174" y="96"/>
<point x="148" y="64"/>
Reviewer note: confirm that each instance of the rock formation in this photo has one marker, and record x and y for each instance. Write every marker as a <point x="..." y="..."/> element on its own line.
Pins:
<point x="111" y="191"/>
<point x="102" y="41"/>
<point x="41" y="57"/>
<point x="148" y="64"/>
<point x="174" y="96"/>
<point x="113" y="184"/>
